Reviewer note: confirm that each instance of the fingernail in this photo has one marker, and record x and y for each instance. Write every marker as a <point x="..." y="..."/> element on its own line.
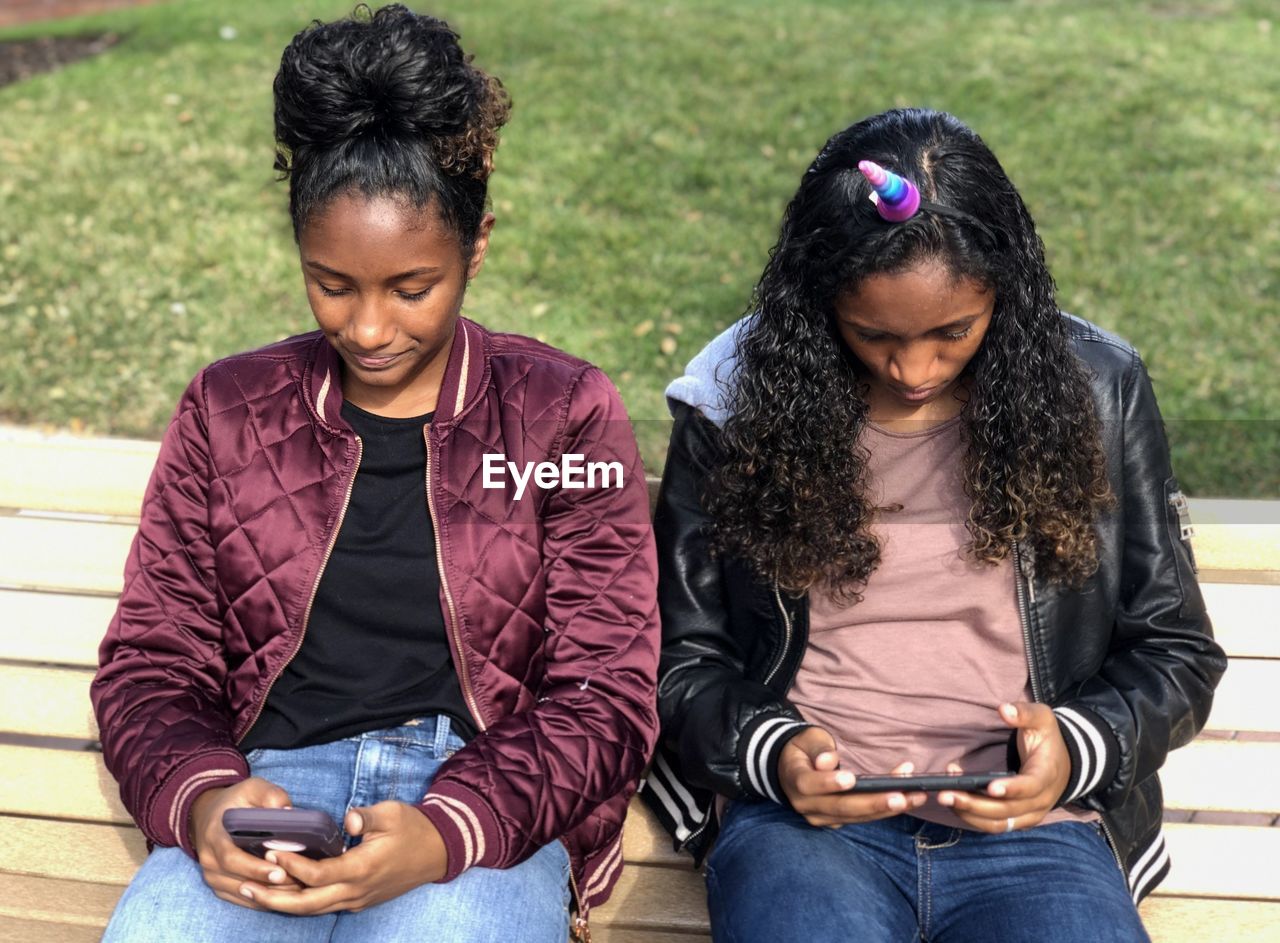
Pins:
<point x="246" y="892"/>
<point x="844" y="779"/>
<point x="897" y="803"/>
<point x="997" y="789"/>
<point x="945" y="798"/>
<point x="271" y="856"/>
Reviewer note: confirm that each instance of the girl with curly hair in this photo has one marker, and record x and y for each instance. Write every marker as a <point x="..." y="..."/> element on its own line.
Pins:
<point x="339" y="601"/>
<point x="915" y="519"/>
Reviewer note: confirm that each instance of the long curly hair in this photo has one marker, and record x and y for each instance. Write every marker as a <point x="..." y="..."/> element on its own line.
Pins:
<point x="386" y="103"/>
<point x="791" y="497"/>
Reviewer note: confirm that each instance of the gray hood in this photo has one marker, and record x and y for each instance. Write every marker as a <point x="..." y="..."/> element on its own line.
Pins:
<point x="708" y="377"/>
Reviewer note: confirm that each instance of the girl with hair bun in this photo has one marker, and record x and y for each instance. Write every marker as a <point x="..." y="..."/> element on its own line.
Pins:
<point x="917" y="519"/>
<point x="351" y="593"/>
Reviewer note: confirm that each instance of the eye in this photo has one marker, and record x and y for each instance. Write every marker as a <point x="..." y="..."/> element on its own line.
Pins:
<point x="416" y="296"/>
<point x="958" y="335"/>
<point x="330" y="292"/>
<point x="868" y="338"/>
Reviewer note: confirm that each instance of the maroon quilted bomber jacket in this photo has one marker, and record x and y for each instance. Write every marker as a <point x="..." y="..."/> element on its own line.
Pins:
<point x="549" y="600"/>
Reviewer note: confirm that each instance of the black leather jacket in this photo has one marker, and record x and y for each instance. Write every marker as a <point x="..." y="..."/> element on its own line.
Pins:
<point x="1128" y="664"/>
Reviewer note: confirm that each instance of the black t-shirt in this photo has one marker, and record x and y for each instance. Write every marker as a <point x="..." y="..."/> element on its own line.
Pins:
<point x="375" y="652"/>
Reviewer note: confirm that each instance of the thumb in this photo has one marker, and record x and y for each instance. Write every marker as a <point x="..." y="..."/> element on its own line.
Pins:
<point x="819" y="746"/>
<point x="1025" y="715"/>
<point x="359" y="821"/>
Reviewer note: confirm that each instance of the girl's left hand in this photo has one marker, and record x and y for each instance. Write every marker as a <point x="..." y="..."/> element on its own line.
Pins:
<point x="401" y="850"/>
<point x="1026" y="798"/>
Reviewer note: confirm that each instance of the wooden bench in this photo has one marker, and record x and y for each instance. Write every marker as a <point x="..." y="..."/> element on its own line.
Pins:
<point x="67" y="513"/>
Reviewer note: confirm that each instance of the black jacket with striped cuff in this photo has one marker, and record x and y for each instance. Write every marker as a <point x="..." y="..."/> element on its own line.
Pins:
<point x="1128" y="663"/>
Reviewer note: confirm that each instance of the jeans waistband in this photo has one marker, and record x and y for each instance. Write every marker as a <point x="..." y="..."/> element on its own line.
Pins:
<point x="435" y="730"/>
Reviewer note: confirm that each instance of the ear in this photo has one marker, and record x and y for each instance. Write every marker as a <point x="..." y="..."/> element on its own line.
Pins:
<point x="481" y="246"/>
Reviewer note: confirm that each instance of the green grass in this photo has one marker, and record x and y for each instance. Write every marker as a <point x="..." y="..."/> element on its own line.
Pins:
<point x="641" y="181"/>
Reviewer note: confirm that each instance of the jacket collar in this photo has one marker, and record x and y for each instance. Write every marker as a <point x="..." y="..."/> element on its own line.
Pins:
<point x="465" y="375"/>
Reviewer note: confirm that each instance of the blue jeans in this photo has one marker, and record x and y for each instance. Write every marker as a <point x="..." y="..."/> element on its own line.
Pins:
<point x="772" y="876"/>
<point x="169" y="901"/>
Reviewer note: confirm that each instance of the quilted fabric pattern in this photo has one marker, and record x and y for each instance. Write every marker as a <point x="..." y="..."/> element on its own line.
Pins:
<point x="551" y="596"/>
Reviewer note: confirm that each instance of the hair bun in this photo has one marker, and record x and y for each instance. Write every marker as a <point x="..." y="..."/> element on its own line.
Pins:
<point x="391" y="74"/>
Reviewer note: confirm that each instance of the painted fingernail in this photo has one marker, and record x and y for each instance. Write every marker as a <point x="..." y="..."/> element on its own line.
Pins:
<point x="945" y="798"/>
<point x="844" y="779"/>
<point x="997" y="789"/>
<point x="246" y="892"/>
<point x="276" y="876"/>
<point x="897" y="803"/>
<point x="271" y="856"/>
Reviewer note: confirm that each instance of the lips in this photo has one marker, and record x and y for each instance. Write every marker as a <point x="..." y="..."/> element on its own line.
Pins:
<point x="917" y="395"/>
<point x="371" y="362"/>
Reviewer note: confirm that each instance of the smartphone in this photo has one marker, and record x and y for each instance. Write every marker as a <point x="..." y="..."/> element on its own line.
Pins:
<point x="926" y="782"/>
<point x="307" y="832"/>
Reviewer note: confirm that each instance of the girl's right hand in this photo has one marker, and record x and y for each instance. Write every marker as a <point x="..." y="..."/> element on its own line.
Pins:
<point x="818" y="789"/>
<point x="225" y="865"/>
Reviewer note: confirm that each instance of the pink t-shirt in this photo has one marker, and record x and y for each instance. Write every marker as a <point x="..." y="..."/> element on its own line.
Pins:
<point x="917" y="669"/>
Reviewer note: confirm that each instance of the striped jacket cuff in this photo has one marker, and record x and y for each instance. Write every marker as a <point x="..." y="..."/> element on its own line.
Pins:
<point x="1095" y="753"/>
<point x="467" y="825"/>
<point x="169" y="821"/>
<point x="760" y="746"/>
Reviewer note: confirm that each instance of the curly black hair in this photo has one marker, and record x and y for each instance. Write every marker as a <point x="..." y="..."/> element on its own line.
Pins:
<point x="791" y="497"/>
<point x="387" y="103"/>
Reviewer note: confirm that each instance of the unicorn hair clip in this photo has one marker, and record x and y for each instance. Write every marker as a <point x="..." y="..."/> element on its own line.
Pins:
<point x="897" y="199"/>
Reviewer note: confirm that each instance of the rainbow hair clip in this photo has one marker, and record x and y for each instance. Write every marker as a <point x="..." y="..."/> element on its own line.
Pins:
<point x="896" y="198"/>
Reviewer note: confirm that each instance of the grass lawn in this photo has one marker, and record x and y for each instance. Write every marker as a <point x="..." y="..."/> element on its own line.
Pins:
<point x="641" y="182"/>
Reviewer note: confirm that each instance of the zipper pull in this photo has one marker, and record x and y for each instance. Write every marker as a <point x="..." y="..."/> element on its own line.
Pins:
<point x="1027" y="563"/>
<point x="581" y="932"/>
<point x="1178" y="501"/>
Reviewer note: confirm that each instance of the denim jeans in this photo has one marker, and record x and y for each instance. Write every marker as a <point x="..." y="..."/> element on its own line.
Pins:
<point x="772" y="876"/>
<point x="169" y="901"/>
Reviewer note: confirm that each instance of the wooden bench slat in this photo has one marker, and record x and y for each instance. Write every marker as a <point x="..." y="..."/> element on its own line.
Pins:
<point x="74" y="851"/>
<point x="59" y="784"/>
<point x="1223" y="775"/>
<point x="66" y="473"/>
<point x="1245" y="618"/>
<point x="54" y="901"/>
<point x="16" y="930"/>
<point x="1246" y="697"/>
<point x="655" y="899"/>
<point x="53" y="627"/>
<point x="1237" y="541"/>
<point x="88" y="556"/>
<point x="46" y="702"/>
<point x="78" y="556"/>
<point x="1188" y="920"/>
<point x="1234" y="861"/>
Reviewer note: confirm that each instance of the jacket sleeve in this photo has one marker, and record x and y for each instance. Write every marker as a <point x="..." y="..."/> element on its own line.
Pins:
<point x="158" y="694"/>
<point x="726" y="732"/>
<point x="594" y="726"/>
<point x="1154" y="689"/>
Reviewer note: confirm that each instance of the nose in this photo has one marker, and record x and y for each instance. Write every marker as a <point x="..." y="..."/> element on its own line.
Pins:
<point x="370" y="328"/>
<point x="911" y="365"/>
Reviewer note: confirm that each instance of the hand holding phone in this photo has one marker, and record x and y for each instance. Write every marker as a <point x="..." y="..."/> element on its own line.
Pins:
<point x="308" y="832"/>
<point x="926" y="782"/>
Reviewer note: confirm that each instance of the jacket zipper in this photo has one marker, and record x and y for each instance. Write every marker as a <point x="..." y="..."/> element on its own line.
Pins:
<point x="315" y="587"/>
<point x="464" y="674"/>
<point x="786" y="636"/>
<point x="581" y="931"/>
<point x="1025" y="565"/>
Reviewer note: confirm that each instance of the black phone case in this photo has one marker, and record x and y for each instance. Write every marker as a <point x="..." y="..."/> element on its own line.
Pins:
<point x="258" y="831"/>
<point x="926" y="782"/>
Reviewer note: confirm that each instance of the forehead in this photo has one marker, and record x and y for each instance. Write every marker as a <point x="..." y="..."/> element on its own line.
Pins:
<point x="354" y="232"/>
<point x="914" y="301"/>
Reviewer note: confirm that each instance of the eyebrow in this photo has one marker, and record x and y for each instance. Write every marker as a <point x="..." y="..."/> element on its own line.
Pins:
<point x="421" y="270"/>
<point x="960" y="322"/>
